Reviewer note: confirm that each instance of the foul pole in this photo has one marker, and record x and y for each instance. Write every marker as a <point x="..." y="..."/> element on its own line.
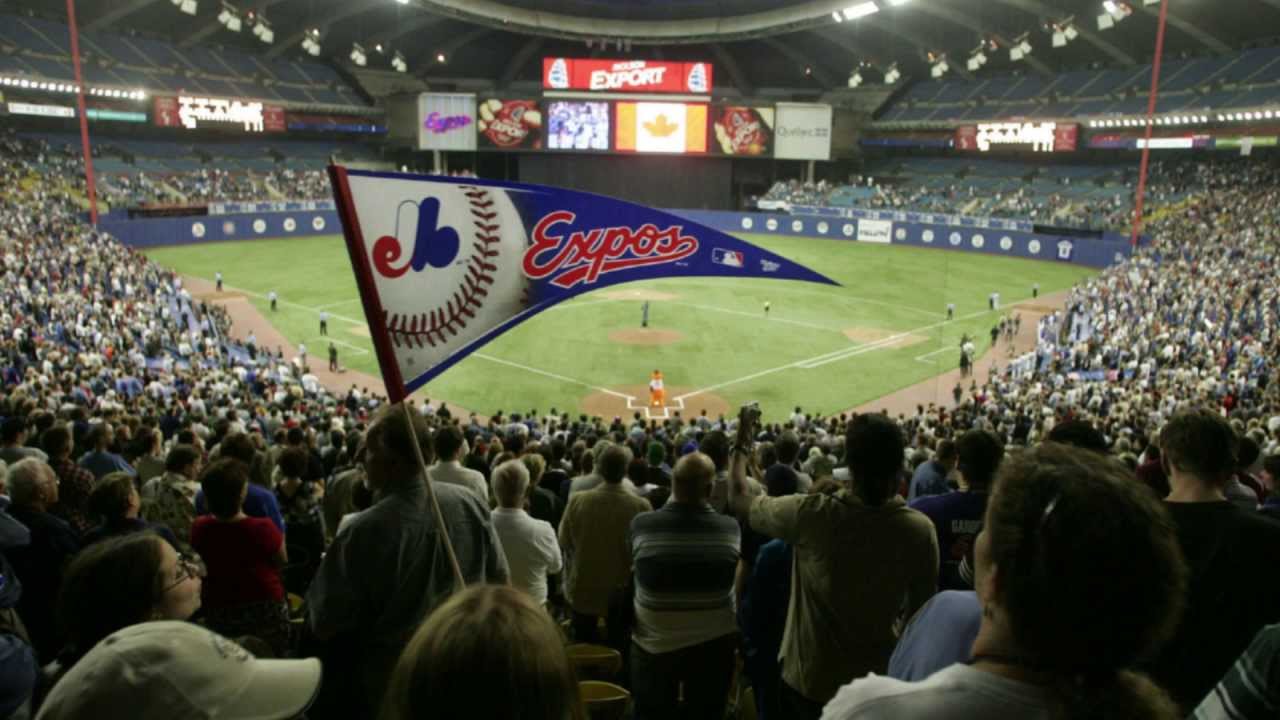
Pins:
<point x="84" y="117"/>
<point x="1151" y="110"/>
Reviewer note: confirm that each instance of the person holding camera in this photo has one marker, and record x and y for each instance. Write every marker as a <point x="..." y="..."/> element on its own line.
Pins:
<point x="841" y="561"/>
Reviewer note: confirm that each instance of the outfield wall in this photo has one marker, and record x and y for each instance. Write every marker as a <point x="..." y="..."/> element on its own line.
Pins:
<point x="994" y="236"/>
<point x="150" y="232"/>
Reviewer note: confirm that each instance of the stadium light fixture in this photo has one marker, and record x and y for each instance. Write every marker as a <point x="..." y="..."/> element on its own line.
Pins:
<point x="892" y="75"/>
<point x="263" y="31"/>
<point x="897" y="3"/>
<point x="398" y="63"/>
<point x="403" y="2"/>
<point x="939" y="68"/>
<point x="1020" y="49"/>
<point x="358" y="55"/>
<point x="977" y="58"/>
<point x="186" y="6"/>
<point x="855" y="79"/>
<point x="1071" y="32"/>
<point x="230" y="18"/>
<point x="862" y="9"/>
<point x="440" y="58"/>
<point x="837" y="16"/>
<point x="1270" y="114"/>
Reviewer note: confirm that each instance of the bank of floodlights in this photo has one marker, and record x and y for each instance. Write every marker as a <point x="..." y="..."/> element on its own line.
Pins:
<point x="186" y="6"/>
<point x="358" y="55"/>
<point x="230" y="18"/>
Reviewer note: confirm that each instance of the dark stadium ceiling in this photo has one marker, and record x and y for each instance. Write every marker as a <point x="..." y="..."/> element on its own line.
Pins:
<point x="793" y="44"/>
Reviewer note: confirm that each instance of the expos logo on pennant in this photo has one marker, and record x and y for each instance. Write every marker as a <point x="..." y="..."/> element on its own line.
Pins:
<point x="444" y="266"/>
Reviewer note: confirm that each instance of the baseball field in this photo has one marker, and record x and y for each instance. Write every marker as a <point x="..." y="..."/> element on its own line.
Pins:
<point x="823" y="348"/>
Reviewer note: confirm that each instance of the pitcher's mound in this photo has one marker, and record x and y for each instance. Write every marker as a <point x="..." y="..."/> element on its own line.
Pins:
<point x="638" y="294"/>
<point x="876" y="335"/>
<point x="645" y="336"/>
<point x="608" y="406"/>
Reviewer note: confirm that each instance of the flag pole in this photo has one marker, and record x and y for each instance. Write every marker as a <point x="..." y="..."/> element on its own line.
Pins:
<point x="435" y="503"/>
<point x="90" y="184"/>
<point x="1151" y="110"/>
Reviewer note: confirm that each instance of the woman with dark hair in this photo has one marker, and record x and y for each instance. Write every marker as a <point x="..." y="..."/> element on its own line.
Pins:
<point x="300" y="504"/>
<point x="488" y="652"/>
<point x="1080" y="577"/>
<point x="123" y="581"/>
<point x="116" y="502"/>
<point x="243" y="594"/>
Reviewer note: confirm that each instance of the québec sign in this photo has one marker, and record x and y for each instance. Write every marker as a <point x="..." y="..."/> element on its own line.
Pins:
<point x="626" y="75"/>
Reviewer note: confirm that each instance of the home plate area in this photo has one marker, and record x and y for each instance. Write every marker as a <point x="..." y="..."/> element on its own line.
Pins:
<point x="626" y="400"/>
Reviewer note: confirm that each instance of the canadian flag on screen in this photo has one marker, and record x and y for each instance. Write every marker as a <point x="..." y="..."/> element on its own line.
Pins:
<point x="661" y="127"/>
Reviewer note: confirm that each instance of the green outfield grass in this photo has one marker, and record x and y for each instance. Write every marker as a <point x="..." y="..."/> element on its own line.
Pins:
<point x="800" y="355"/>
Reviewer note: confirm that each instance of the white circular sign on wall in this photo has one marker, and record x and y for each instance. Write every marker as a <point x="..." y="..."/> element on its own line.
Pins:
<point x="1006" y="243"/>
<point x="847" y="230"/>
<point x="290" y="224"/>
<point x="317" y="222"/>
<point x="1033" y="247"/>
<point x="259" y="226"/>
<point x="197" y="229"/>
<point x="797" y="226"/>
<point x="823" y="227"/>
<point x="228" y="228"/>
<point x="900" y="234"/>
<point x="771" y="224"/>
<point x="955" y="238"/>
<point x="978" y="241"/>
<point x="747" y="223"/>
<point x="927" y="236"/>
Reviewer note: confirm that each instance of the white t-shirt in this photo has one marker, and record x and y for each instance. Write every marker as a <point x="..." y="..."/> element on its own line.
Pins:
<point x="958" y="692"/>
<point x="531" y="549"/>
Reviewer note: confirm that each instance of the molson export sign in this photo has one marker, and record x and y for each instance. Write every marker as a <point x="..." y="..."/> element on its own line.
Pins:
<point x="626" y="75"/>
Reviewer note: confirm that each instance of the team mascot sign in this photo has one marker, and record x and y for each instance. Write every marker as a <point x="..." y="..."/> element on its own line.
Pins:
<point x="444" y="266"/>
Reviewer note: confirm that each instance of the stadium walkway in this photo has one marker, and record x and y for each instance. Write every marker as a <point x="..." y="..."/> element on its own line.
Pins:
<point x="938" y="389"/>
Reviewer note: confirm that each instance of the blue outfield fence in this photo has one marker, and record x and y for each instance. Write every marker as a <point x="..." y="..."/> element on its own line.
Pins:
<point x="998" y="237"/>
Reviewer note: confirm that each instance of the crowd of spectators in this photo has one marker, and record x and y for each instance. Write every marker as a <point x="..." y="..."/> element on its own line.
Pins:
<point x="213" y="185"/>
<point x="1099" y="527"/>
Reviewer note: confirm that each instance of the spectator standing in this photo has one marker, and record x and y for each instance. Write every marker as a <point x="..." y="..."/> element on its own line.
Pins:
<point x="387" y="570"/>
<point x="1228" y="598"/>
<point x="1079" y="575"/>
<point x="839" y="563"/>
<point x="299" y="501"/>
<point x="487" y="652"/>
<point x="448" y="443"/>
<point x="261" y="501"/>
<point x="74" y="482"/>
<point x="13" y="442"/>
<point x="40" y="564"/>
<point x="530" y="545"/>
<point x="957" y="516"/>
<point x="170" y="499"/>
<point x="593" y="534"/>
<point x="1270" y="478"/>
<point x="116" y="500"/>
<point x="685" y="556"/>
<point x="1251" y="688"/>
<point x="100" y="460"/>
<point x="243" y="594"/>
<point x="930" y="478"/>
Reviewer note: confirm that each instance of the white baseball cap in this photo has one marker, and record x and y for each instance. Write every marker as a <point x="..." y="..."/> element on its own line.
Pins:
<point x="171" y="669"/>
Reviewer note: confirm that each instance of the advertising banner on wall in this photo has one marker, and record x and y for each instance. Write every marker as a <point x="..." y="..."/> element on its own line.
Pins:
<point x="739" y="130"/>
<point x="446" y="121"/>
<point x="509" y="124"/>
<point x="803" y="132"/>
<point x="647" y="127"/>
<point x="560" y="73"/>
<point x="875" y="231"/>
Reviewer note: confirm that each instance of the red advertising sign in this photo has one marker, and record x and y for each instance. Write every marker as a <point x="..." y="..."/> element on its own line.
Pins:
<point x="166" y="112"/>
<point x="626" y="75"/>
<point x="273" y="119"/>
<point x="1034" y="136"/>
<point x="193" y="112"/>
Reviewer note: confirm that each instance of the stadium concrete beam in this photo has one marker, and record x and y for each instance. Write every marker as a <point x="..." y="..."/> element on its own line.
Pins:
<point x="1189" y="28"/>
<point x="205" y="31"/>
<point x="518" y="60"/>
<point x="965" y="21"/>
<point x="1041" y="11"/>
<point x="406" y="26"/>
<point x="731" y="66"/>
<point x="832" y="36"/>
<point x="822" y="76"/>
<point x="327" y="17"/>
<point x="428" y="52"/>
<point x="119" y="12"/>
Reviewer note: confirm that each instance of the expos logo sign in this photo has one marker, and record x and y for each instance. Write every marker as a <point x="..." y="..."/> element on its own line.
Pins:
<point x="571" y="255"/>
<point x="439" y="124"/>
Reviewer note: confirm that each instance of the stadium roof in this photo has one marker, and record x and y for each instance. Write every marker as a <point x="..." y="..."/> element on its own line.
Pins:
<point x="796" y="44"/>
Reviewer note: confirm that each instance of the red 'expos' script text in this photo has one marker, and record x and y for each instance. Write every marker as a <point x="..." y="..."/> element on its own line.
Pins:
<point x="585" y="256"/>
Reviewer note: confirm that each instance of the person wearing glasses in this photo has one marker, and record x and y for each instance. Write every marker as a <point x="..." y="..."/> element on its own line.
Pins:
<point x="243" y="593"/>
<point x="131" y="579"/>
<point x="1080" y="578"/>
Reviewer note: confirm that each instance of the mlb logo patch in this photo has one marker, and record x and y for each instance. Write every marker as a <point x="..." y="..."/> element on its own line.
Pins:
<point x="732" y="258"/>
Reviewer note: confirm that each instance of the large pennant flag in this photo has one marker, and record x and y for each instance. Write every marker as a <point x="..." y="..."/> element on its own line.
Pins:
<point x="445" y="265"/>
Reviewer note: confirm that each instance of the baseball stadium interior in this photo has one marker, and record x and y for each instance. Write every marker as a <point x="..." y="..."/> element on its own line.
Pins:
<point x="1017" y="462"/>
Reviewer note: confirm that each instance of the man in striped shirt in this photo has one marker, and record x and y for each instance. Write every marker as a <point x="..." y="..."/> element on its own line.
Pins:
<point x="684" y="557"/>
<point x="1251" y="688"/>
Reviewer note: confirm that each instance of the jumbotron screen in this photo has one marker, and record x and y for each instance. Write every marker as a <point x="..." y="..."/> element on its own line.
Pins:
<point x="577" y="125"/>
<point x="661" y="127"/>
